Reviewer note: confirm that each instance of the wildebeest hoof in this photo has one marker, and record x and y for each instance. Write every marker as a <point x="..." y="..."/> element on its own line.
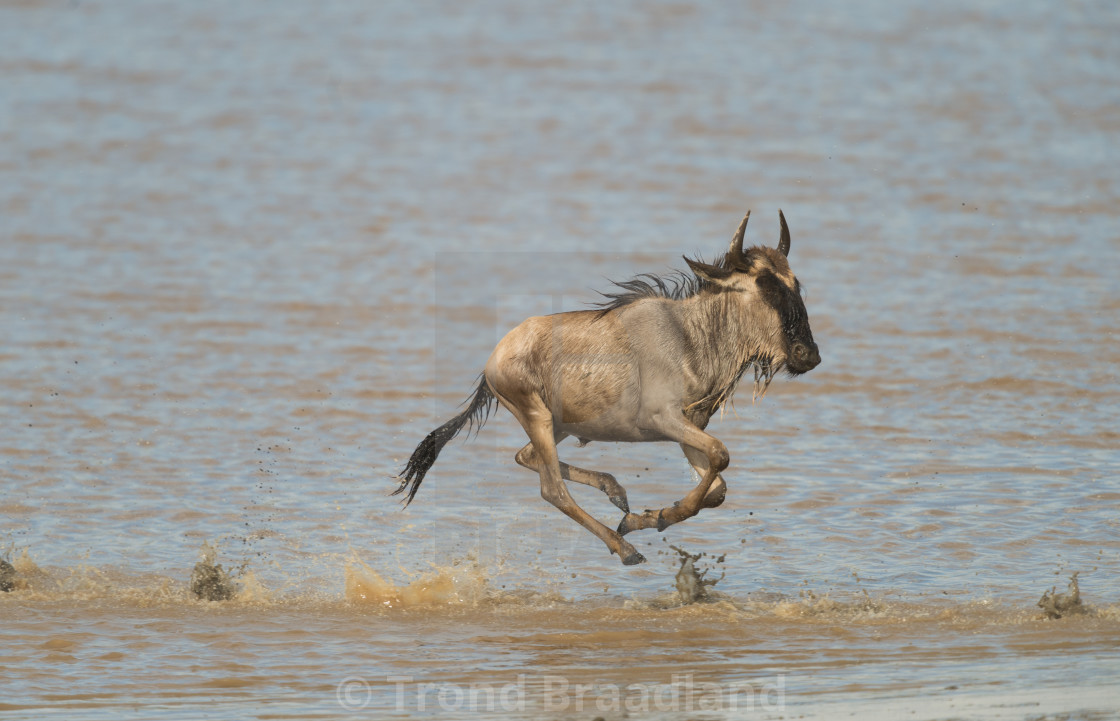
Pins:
<point x="662" y="523"/>
<point x="626" y="524"/>
<point x="633" y="559"/>
<point x="620" y="503"/>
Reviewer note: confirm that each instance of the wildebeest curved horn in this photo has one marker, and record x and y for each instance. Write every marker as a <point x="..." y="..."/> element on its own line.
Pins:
<point x="783" y="242"/>
<point x="736" y="249"/>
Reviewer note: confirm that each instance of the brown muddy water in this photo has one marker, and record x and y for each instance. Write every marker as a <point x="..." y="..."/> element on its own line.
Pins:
<point x="251" y="253"/>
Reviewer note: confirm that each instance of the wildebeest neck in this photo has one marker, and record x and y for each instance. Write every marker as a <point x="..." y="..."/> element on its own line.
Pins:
<point x="727" y="335"/>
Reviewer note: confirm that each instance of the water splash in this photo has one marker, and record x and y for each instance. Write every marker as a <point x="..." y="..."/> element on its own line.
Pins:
<point x="7" y="576"/>
<point x="209" y="581"/>
<point x="691" y="584"/>
<point x="253" y="590"/>
<point x="19" y="573"/>
<point x="1056" y="605"/>
<point x="455" y="585"/>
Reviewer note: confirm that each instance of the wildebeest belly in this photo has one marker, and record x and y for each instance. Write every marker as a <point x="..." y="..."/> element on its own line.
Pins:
<point x="610" y="428"/>
<point x="599" y="401"/>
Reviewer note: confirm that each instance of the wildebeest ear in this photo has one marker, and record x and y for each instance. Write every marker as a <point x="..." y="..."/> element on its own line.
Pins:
<point x="711" y="273"/>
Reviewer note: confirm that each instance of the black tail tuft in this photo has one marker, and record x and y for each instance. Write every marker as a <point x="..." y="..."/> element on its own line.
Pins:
<point x="481" y="403"/>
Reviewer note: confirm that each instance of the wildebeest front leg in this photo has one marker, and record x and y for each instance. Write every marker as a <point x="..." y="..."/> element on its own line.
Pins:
<point x="718" y="492"/>
<point x="715" y="458"/>
<point x="605" y="482"/>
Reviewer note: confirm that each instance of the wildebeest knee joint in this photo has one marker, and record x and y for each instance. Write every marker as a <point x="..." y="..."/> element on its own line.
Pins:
<point x="524" y="457"/>
<point x="720" y="458"/>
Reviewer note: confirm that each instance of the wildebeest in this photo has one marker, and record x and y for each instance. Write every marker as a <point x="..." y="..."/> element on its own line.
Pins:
<point x="652" y="363"/>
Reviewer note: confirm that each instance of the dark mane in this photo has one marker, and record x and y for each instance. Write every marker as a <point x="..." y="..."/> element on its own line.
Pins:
<point x="674" y="285"/>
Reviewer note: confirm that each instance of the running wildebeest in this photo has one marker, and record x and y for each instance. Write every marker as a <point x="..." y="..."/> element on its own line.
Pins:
<point x="653" y="363"/>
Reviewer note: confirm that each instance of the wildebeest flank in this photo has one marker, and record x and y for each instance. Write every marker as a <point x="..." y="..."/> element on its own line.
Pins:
<point x="652" y="363"/>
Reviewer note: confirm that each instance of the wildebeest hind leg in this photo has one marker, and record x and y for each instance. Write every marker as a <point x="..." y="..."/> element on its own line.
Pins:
<point x="605" y="482"/>
<point x="537" y="422"/>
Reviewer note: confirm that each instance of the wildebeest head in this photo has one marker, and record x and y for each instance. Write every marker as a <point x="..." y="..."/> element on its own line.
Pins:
<point x="771" y="295"/>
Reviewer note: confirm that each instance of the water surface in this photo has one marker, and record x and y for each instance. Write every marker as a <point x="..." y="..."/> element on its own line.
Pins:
<point x="251" y="254"/>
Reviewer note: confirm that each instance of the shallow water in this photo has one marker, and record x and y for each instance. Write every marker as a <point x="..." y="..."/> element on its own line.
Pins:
<point x="251" y="254"/>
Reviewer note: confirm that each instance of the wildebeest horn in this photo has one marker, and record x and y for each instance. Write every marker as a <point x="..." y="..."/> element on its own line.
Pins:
<point x="783" y="242"/>
<point x="736" y="249"/>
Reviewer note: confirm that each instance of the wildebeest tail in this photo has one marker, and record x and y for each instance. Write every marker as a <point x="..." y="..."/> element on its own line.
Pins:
<point x="475" y="414"/>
